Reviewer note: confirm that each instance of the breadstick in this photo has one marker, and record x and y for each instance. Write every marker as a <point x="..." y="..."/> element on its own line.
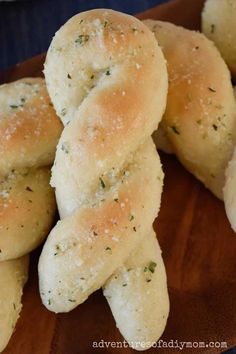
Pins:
<point x="101" y="71"/>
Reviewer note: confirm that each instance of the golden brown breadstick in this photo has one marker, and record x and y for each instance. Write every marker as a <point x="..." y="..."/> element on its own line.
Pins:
<point x="219" y="25"/>
<point x="200" y="117"/>
<point x="13" y="276"/>
<point x="101" y="71"/>
<point x="29" y="131"/>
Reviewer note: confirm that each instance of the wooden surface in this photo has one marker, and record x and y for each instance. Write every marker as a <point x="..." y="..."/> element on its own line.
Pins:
<point x="198" y="248"/>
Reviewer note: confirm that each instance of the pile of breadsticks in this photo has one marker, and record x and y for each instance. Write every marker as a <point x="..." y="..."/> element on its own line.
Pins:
<point x="199" y="124"/>
<point x="29" y="130"/>
<point x="106" y="77"/>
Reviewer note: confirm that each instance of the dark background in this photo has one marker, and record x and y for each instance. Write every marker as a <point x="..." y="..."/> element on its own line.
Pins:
<point x="27" y="27"/>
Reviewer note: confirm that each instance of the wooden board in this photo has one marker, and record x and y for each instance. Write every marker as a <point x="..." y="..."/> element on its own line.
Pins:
<point x="198" y="247"/>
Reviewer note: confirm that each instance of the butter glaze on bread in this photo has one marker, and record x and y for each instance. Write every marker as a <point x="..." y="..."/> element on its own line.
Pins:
<point x="101" y="70"/>
<point x="219" y="25"/>
<point x="29" y="131"/>
<point x="200" y="117"/>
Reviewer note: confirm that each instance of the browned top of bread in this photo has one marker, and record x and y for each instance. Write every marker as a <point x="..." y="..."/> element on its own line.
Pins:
<point x="29" y="127"/>
<point x="29" y="131"/>
<point x="102" y="70"/>
<point x="200" y="117"/>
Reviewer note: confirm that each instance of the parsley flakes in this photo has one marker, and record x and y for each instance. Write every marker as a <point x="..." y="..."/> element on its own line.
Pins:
<point x="82" y="39"/>
<point x="102" y="183"/>
<point x="150" y="267"/>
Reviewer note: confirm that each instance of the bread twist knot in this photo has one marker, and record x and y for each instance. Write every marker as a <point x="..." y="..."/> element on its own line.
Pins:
<point x="102" y="70"/>
<point x="29" y="131"/>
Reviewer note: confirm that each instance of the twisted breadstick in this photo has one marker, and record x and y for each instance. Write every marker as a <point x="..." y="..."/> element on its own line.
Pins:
<point x="102" y="69"/>
<point x="13" y="275"/>
<point x="29" y="131"/>
<point x="137" y="295"/>
<point x="229" y="188"/>
<point x="200" y="117"/>
<point x="219" y="24"/>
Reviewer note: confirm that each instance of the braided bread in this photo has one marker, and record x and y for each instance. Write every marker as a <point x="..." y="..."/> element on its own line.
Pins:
<point x="29" y="131"/>
<point x="200" y="118"/>
<point x="101" y="71"/>
<point x="219" y="25"/>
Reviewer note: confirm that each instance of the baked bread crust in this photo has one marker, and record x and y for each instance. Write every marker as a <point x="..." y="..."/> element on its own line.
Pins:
<point x="200" y="117"/>
<point x="29" y="130"/>
<point x="219" y="25"/>
<point x="229" y="188"/>
<point x="13" y="276"/>
<point x="101" y="70"/>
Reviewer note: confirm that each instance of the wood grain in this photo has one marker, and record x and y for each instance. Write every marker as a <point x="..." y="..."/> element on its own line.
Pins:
<point x="198" y="247"/>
